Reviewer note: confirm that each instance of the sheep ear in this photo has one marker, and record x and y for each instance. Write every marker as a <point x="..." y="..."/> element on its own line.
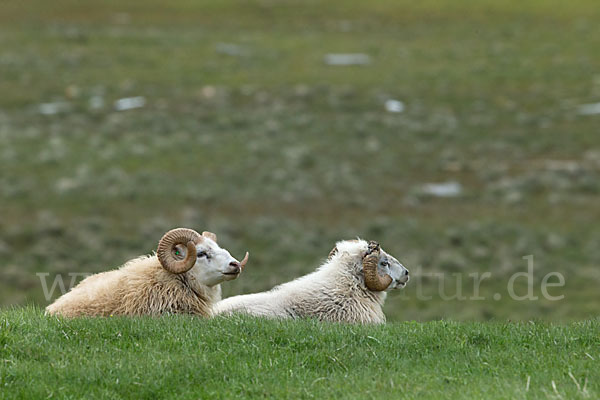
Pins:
<point x="210" y="236"/>
<point x="332" y="253"/>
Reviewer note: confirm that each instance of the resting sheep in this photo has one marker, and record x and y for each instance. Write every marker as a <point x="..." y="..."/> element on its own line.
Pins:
<point x="183" y="277"/>
<point x="348" y="287"/>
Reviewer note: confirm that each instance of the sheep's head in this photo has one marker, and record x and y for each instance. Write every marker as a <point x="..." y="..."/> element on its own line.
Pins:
<point x="381" y="271"/>
<point x="181" y="250"/>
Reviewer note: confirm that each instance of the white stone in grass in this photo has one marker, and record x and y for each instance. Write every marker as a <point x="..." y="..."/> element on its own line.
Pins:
<point x="394" y="106"/>
<point x="347" y="59"/>
<point x="129" y="103"/>
<point x="53" y="108"/>
<point x="444" y="189"/>
<point x="589" y="109"/>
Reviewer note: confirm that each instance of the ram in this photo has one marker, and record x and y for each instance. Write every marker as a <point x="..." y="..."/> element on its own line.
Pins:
<point x="183" y="276"/>
<point x="349" y="287"/>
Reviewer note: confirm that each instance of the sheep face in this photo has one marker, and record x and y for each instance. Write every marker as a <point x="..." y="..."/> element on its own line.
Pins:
<point x="213" y="264"/>
<point x="392" y="273"/>
<point x="392" y="267"/>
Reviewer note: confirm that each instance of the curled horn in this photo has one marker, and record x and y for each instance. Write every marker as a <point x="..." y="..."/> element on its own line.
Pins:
<point x="167" y="243"/>
<point x="373" y="280"/>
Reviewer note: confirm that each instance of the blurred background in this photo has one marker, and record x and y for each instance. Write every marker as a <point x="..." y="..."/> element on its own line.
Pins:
<point x="461" y="135"/>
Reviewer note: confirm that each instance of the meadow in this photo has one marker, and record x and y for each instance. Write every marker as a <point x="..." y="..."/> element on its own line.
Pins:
<point x="240" y="125"/>
<point x="189" y="358"/>
<point x="464" y="139"/>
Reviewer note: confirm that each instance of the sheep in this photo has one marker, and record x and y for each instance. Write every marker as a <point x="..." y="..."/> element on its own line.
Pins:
<point x="349" y="287"/>
<point x="183" y="276"/>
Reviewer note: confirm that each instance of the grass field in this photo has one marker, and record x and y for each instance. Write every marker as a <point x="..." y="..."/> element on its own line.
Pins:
<point x="247" y="132"/>
<point x="188" y="358"/>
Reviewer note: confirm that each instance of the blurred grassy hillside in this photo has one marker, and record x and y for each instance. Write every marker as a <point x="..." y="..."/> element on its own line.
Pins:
<point x="245" y="130"/>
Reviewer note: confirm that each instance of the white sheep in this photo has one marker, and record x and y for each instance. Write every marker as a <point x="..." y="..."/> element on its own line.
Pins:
<point x="183" y="277"/>
<point x="349" y="287"/>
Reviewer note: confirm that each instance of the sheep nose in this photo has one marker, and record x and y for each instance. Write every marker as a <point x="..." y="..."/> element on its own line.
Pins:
<point x="235" y="268"/>
<point x="404" y="278"/>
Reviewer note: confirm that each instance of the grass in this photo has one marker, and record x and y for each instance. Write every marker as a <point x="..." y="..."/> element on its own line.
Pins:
<point x="282" y="155"/>
<point x="186" y="357"/>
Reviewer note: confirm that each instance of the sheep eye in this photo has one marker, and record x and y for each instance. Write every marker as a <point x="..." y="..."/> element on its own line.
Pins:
<point x="202" y="254"/>
<point x="385" y="263"/>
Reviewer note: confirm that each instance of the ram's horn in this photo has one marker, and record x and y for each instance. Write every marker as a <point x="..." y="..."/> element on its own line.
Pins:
<point x="373" y="280"/>
<point x="166" y="247"/>
<point x="244" y="261"/>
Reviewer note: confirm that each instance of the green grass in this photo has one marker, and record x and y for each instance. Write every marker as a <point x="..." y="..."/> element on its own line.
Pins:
<point x="282" y="155"/>
<point x="223" y="358"/>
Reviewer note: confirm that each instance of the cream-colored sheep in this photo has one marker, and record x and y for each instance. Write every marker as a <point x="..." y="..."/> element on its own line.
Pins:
<point x="349" y="287"/>
<point x="183" y="277"/>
